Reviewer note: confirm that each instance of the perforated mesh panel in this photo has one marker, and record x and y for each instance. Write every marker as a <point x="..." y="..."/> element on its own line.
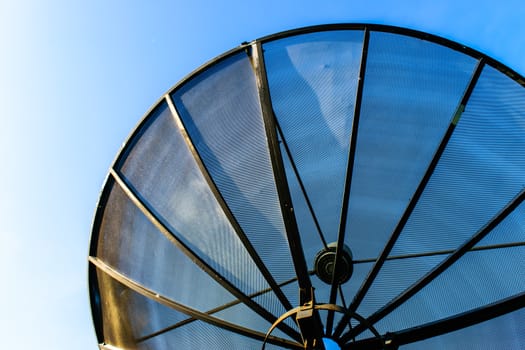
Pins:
<point x="136" y="322"/>
<point x="313" y="81"/>
<point x="221" y="111"/>
<point x="129" y="316"/>
<point x="471" y="183"/>
<point x="411" y="91"/>
<point x="481" y="170"/>
<point x="165" y="174"/>
<point x="478" y="278"/>
<point x="130" y="243"/>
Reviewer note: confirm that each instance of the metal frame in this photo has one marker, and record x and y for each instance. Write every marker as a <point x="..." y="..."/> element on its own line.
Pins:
<point x="255" y="48"/>
<point x="94" y="290"/>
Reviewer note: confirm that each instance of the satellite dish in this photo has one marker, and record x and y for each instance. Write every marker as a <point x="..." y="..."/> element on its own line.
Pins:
<point x="342" y="186"/>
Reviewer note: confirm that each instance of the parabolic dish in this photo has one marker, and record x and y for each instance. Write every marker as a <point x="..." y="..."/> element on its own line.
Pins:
<point x="359" y="185"/>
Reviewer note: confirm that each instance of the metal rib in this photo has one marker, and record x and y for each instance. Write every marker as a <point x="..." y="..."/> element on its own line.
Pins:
<point x="348" y="180"/>
<point x="226" y="209"/>
<point x="301" y="185"/>
<point x="415" y="198"/>
<point x="283" y="190"/>
<point x="211" y="312"/>
<point x="148" y="293"/>
<point x="443" y="326"/>
<point x="163" y="228"/>
<point x="443" y="252"/>
<point x="460" y="321"/>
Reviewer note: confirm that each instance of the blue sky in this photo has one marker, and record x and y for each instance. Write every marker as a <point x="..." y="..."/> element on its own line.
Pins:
<point x="75" y="79"/>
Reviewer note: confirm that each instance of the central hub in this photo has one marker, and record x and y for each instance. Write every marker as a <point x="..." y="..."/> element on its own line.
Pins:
<point x="325" y="262"/>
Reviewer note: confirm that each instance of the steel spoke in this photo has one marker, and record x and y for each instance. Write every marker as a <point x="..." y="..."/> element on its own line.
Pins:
<point x="348" y="179"/>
